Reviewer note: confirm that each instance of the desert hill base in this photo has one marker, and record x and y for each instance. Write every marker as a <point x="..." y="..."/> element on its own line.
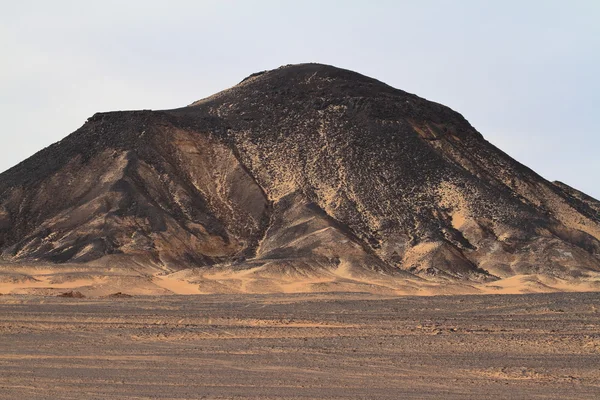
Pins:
<point x="102" y="281"/>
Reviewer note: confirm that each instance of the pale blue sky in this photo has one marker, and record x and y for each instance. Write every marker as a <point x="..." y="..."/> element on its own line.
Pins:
<point x="524" y="73"/>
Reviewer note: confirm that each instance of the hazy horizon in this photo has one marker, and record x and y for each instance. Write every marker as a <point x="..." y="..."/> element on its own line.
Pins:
<point x="524" y="74"/>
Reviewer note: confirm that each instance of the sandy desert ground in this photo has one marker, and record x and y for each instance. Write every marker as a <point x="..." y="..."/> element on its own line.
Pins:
<point x="300" y="346"/>
<point x="103" y="280"/>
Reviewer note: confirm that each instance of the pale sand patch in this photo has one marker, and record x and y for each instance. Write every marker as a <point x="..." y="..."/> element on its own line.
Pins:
<point x="177" y="286"/>
<point x="454" y="199"/>
<point x="415" y="254"/>
<point x="459" y="218"/>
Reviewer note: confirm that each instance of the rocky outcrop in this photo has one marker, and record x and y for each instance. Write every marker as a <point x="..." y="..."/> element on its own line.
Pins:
<point x="302" y="169"/>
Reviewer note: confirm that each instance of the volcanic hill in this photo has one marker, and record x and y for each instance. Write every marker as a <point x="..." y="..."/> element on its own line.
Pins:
<point x="303" y="178"/>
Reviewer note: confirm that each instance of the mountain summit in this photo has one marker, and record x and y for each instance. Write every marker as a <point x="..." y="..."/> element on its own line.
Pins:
<point x="306" y="173"/>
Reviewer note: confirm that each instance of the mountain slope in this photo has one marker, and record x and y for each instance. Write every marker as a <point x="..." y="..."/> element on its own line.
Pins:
<point x="305" y="171"/>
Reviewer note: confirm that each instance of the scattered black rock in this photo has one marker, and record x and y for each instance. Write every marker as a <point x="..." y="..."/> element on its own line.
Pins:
<point x="72" y="294"/>
<point x="119" y="295"/>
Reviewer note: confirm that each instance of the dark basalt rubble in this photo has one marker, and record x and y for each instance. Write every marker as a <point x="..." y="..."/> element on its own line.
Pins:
<point x="303" y="168"/>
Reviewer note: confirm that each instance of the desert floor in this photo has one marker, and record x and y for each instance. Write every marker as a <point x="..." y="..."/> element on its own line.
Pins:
<point x="301" y="346"/>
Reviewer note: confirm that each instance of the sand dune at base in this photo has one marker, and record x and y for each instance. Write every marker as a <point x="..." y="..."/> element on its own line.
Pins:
<point x="259" y="280"/>
<point x="91" y="281"/>
<point x="45" y="282"/>
<point x="539" y="284"/>
<point x="177" y="286"/>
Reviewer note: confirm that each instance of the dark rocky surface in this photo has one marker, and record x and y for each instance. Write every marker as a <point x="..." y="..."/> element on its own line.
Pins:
<point x="348" y="346"/>
<point x="295" y="170"/>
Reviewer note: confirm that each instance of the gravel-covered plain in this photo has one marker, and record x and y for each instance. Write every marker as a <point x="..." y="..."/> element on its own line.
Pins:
<point x="313" y="346"/>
